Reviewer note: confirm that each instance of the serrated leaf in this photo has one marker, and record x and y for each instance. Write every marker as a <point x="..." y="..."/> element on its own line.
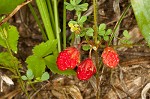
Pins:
<point x="108" y="32"/>
<point x="89" y="32"/>
<point x="51" y="64"/>
<point x="6" y="6"/>
<point x="29" y="74"/>
<point x="36" y="64"/>
<point x="45" y="76"/>
<point x="24" y="77"/>
<point x="126" y="34"/>
<point x="86" y="47"/>
<point x="82" y="19"/>
<point x="7" y="61"/>
<point x="44" y="49"/>
<point x="102" y="27"/>
<point x="12" y="38"/>
<point x="142" y="13"/>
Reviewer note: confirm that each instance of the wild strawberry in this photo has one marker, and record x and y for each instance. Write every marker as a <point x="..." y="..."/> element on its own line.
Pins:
<point x="110" y="57"/>
<point x="68" y="58"/>
<point x="86" y="69"/>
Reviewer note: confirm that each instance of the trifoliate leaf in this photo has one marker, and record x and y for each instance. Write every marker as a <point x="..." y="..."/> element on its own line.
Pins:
<point x="45" y="76"/>
<point x="45" y="48"/>
<point x="89" y="32"/>
<point x="51" y="64"/>
<point x="82" y="7"/>
<point x="69" y="6"/>
<point x="36" y="64"/>
<point x="126" y="34"/>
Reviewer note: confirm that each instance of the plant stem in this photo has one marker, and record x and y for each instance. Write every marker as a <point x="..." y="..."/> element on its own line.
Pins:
<point x="57" y="25"/>
<point x="118" y="23"/>
<point x="64" y="26"/>
<point x="37" y="20"/>
<point x="16" y="68"/>
<point x="96" y="53"/>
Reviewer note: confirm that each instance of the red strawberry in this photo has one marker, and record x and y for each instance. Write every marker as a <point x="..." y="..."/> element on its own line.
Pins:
<point x="110" y="57"/>
<point x="68" y="58"/>
<point x="86" y="69"/>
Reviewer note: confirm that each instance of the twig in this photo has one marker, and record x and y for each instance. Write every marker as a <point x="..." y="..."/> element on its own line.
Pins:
<point x="14" y="11"/>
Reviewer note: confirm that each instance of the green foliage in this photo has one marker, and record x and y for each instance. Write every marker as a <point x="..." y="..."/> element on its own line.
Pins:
<point x="103" y="32"/>
<point x="142" y="13"/>
<point x="45" y="48"/>
<point x="86" y="47"/>
<point x="126" y="38"/>
<point x="9" y="37"/>
<point x="30" y="76"/>
<point x="51" y="64"/>
<point x="6" y="6"/>
<point x="74" y="5"/>
<point x="36" y="61"/>
<point x="7" y="61"/>
<point x="89" y="32"/>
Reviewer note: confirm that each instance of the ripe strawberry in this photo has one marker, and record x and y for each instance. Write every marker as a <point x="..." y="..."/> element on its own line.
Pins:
<point x="86" y="69"/>
<point x="68" y="58"/>
<point x="110" y="57"/>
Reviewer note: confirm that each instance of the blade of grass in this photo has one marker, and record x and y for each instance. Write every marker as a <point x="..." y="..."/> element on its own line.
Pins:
<point x="57" y="24"/>
<point x="37" y="20"/>
<point x="51" y="15"/>
<point x="118" y="23"/>
<point x="46" y="19"/>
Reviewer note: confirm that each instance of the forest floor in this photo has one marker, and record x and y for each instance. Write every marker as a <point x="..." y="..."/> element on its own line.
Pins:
<point x="130" y="80"/>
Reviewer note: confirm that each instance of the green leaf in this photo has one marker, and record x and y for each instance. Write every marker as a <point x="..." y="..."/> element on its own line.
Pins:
<point x="108" y="32"/>
<point x="89" y="32"/>
<point x="102" y="27"/>
<point x="7" y="61"/>
<point x="86" y="47"/>
<point x="106" y="38"/>
<point x="45" y="76"/>
<point x="101" y="33"/>
<point x="44" y="49"/>
<point x="24" y="77"/>
<point x="73" y="2"/>
<point x="12" y="37"/>
<point x="36" y="64"/>
<point x="142" y="14"/>
<point x="126" y="34"/>
<point x="69" y="6"/>
<point x="78" y="1"/>
<point x="51" y="64"/>
<point x="6" y="6"/>
<point x="82" y="7"/>
<point x="29" y="74"/>
<point x="82" y="19"/>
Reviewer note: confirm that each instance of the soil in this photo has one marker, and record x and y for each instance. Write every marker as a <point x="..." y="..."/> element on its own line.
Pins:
<point x="130" y="80"/>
